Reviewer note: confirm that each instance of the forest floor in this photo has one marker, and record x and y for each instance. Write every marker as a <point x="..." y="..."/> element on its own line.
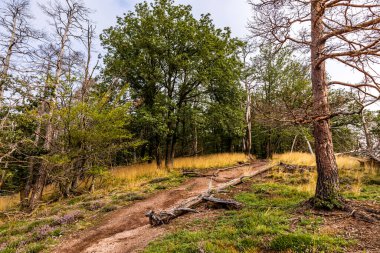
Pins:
<point x="128" y="230"/>
<point x="274" y="216"/>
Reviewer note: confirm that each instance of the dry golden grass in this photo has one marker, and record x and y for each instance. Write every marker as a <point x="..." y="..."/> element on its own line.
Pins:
<point x="137" y="174"/>
<point x="131" y="177"/>
<point x="348" y="167"/>
<point x="8" y="201"/>
<point x="306" y="159"/>
<point x="210" y="161"/>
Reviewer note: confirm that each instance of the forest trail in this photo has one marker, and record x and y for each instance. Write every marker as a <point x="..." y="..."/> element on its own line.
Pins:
<point x="128" y="230"/>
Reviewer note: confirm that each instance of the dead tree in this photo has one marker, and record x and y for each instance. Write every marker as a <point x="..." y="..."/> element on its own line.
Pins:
<point x="15" y="33"/>
<point x="88" y="42"/>
<point x="342" y="31"/>
<point x="67" y="18"/>
<point x="247" y="80"/>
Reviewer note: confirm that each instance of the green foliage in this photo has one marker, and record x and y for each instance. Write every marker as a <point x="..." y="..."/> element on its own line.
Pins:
<point x="179" y="68"/>
<point x="282" y="94"/>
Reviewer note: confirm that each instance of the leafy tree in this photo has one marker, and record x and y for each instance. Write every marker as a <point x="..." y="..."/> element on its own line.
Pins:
<point x="171" y="60"/>
<point x="281" y="95"/>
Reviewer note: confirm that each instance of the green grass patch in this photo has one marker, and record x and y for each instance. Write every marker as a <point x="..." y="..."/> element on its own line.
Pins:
<point x="262" y="225"/>
<point x="303" y="243"/>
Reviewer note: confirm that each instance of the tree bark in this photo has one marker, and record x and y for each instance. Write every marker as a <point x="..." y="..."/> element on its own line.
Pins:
<point x="366" y="132"/>
<point x="327" y="190"/>
<point x="38" y="187"/>
<point x="248" y="121"/>
<point x="11" y="44"/>
<point x="294" y="143"/>
<point x="195" y="141"/>
<point x="309" y="145"/>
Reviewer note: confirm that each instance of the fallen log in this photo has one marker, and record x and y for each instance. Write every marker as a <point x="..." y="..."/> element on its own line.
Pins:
<point x="191" y="203"/>
<point x="239" y="180"/>
<point x="228" y="204"/>
<point x="165" y="217"/>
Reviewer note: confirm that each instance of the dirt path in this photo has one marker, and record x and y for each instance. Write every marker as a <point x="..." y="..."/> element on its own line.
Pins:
<point x="127" y="229"/>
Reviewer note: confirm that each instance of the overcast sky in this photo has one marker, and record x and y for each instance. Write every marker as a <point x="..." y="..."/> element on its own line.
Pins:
<point x="225" y="13"/>
<point x="231" y="13"/>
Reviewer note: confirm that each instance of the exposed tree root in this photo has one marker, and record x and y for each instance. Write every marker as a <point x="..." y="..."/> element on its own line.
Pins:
<point x="228" y="204"/>
<point x="164" y="217"/>
<point x="360" y="213"/>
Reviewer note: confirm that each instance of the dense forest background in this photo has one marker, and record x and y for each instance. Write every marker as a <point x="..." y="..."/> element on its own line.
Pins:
<point x="169" y="85"/>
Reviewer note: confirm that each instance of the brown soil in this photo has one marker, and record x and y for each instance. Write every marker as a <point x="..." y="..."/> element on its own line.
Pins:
<point x="128" y="230"/>
<point x="366" y="234"/>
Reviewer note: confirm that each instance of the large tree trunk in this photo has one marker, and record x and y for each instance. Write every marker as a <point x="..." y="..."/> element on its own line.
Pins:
<point x="327" y="190"/>
<point x="38" y="187"/>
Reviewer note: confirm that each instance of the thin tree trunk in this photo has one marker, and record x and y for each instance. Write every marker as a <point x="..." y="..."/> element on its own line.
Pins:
<point x="248" y="120"/>
<point x="158" y="152"/>
<point x="294" y="143"/>
<point x="169" y="156"/>
<point x="327" y="190"/>
<point x="309" y="145"/>
<point x="195" y="141"/>
<point x="7" y="60"/>
<point x="366" y="132"/>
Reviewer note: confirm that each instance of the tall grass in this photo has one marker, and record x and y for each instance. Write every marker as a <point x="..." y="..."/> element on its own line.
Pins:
<point x="8" y="201"/>
<point x="131" y="177"/>
<point x="134" y="175"/>
<point x="306" y="159"/>
<point x="350" y="168"/>
<point x="209" y="161"/>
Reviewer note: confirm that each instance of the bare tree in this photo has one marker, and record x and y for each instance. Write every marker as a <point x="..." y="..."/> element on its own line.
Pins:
<point x="15" y="31"/>
<point x="67" y="20"/>
<point x="343" y="31"/>
<point x="247" y="82"/>
<point x="88" y="42"/>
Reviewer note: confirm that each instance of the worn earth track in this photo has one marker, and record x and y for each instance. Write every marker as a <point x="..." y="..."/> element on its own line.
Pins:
<point x="128" y="230"/>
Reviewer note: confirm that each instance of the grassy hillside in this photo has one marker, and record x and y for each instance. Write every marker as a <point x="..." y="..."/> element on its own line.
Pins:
<point x="57" y="217"/>
<point x="273" y="218"/>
